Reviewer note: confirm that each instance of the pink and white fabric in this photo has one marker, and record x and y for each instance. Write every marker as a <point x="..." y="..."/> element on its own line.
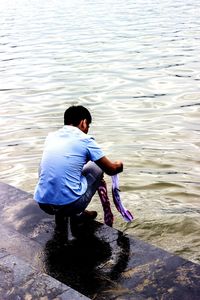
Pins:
<point x="127" y="216"/>
<point x="103" y="194"/>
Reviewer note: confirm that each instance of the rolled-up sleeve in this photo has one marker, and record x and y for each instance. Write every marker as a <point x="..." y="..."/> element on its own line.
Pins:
<point x="94" y="151"/>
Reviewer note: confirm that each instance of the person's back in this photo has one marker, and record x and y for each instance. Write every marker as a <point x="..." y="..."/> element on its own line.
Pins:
<point x="71" y="168"/>
<point x="65" y="154"/>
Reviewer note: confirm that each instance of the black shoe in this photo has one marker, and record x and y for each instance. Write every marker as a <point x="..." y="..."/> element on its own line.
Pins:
<point x="84" y="217"/>
<point x="77" y="222"/>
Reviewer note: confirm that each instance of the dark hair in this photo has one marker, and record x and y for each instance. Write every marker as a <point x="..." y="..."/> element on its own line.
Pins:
<point x="74" y="114"/>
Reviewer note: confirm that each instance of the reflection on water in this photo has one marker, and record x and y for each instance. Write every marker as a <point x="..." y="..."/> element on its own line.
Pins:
<point x="135" y="65"/>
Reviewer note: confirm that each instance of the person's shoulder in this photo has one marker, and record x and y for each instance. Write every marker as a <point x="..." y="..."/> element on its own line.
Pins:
<point x="92" y="143"/>
<point x="89" y="138"/>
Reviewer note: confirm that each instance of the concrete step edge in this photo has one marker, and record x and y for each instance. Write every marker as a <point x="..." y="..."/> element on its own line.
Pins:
<point x="20" y="280"/>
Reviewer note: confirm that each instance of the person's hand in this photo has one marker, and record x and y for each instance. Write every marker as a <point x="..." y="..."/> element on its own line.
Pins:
<point x="119" y="165"/>
<point x="109" y="167"/>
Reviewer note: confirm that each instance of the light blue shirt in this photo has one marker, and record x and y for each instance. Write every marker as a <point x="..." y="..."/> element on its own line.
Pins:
<point x="66" y="151"/>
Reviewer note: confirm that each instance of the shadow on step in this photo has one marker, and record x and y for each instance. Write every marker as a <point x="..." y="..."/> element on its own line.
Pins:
<point x="87" y="263"/>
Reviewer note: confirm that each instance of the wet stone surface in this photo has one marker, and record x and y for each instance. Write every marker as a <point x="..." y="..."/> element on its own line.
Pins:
<point x="20" y="281"/>
<point x="98" y="262"/>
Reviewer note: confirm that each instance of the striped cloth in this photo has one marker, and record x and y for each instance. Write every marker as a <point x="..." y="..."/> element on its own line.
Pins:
<point x="103" y="194"/>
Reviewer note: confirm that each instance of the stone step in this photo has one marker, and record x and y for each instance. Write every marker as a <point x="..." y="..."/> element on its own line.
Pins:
<point x="101" y="263"/>
<point x="22" y="268"/>
<point x="19" y="245"/>
<point x="19" y="280"/>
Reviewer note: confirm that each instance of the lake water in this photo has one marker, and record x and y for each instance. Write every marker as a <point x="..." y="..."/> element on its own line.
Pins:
<point x="135" y="65"/>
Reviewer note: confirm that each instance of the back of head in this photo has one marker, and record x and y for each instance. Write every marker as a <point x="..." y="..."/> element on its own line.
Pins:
<point x="75" y="114"/>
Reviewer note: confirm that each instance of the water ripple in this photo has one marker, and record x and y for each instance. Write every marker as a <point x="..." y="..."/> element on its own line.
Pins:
<point x="135" y="65"/>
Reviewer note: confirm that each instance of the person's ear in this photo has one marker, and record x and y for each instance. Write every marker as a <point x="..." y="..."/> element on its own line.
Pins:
<point x="83" y="126"/>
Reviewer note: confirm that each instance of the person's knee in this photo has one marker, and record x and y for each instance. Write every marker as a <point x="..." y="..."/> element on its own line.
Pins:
<point x="92" y="168"/>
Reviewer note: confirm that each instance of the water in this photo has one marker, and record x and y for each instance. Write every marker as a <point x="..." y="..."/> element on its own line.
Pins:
<point x="135" y="65"/>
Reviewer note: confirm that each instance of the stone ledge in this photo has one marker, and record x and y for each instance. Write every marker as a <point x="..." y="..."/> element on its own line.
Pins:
<point x="101" y="263"/>
<point x="21" y="281"/>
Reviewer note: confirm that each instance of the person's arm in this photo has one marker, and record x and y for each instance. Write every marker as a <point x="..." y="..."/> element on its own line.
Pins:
<point x="109" y="167"/>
